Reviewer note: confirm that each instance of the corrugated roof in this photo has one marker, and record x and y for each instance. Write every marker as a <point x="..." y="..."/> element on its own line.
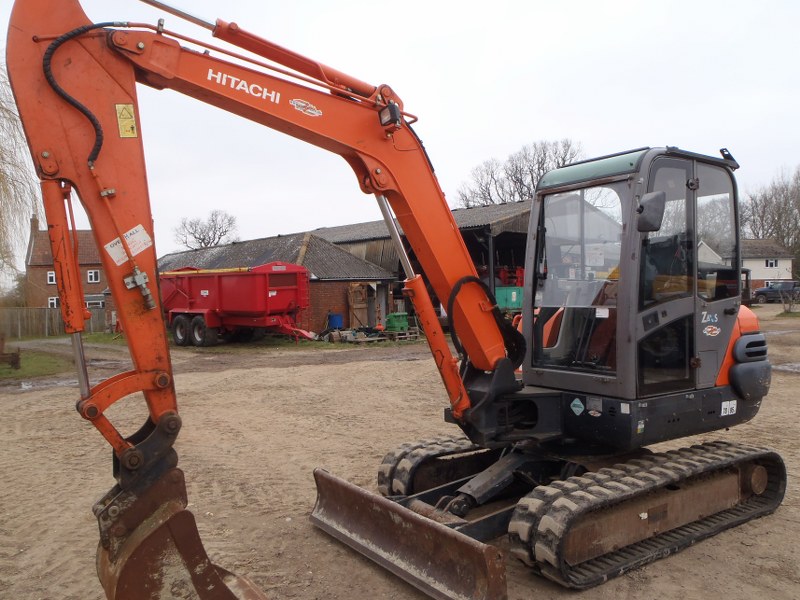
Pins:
<point x="764" y="249"/>
<point x="373" y="230"/>
<point x="495" y="215"/>
<point x="323" y="259"/>
<point x="501" y="217"/>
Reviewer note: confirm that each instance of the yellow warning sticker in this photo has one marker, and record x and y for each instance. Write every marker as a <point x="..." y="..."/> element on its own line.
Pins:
<point x="126" y="121"/>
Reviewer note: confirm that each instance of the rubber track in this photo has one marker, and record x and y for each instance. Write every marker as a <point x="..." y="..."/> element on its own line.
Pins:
<point x="397" y="469"/>
<point x="542" y="519"/>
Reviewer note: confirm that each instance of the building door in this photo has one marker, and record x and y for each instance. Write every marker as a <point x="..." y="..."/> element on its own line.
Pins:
<point x="357" y="300"/>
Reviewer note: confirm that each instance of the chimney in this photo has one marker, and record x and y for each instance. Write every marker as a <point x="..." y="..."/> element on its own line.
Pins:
<point x="34" y="233"/>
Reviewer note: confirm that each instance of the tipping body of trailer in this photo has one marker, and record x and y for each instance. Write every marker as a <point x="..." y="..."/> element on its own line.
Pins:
<point x="202" y="304"/>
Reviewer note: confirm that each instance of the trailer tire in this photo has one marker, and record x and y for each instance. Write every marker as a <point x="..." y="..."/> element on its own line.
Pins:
<point x="181" y="327"/>
<point x="203" y="335"/>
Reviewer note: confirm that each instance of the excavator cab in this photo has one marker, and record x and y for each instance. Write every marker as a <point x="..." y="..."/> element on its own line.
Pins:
<point x="632" y="317"/>
<point x="635" y="296"/>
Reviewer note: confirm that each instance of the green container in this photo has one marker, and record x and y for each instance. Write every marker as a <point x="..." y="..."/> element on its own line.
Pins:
<point x="397" y="321"/>
<point x="509" y="298"/>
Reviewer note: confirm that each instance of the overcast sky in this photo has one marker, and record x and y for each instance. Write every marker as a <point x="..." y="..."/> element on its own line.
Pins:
<point x="484" y="78"/>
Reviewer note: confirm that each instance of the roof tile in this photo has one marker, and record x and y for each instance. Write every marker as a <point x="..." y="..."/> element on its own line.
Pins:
<point x="768" y="248"/>
<point x="39" y="253"/>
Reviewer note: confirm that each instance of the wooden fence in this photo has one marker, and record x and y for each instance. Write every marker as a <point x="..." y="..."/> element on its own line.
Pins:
<point x="18" y="323"/>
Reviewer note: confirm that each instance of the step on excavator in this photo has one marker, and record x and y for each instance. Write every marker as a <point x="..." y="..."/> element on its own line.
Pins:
<point x="633" y="332"/>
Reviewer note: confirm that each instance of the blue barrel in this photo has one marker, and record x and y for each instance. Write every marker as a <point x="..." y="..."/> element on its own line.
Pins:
<point x="335" y="321"/>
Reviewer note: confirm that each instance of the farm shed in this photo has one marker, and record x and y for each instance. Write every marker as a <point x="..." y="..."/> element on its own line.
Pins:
<point x="499" y="231"/>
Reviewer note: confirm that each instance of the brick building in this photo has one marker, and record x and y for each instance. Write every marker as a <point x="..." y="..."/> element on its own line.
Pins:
<point x="40" y="276"/>
<point x="341" y="283"/>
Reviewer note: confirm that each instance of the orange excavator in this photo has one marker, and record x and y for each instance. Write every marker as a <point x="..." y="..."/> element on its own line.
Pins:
<point x="633" y="332"/>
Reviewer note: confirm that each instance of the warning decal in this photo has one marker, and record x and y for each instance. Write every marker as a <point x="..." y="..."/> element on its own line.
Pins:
<point x="126" y="120"/>
<point x="138" y="240"/>
<point x="577" y="406"/>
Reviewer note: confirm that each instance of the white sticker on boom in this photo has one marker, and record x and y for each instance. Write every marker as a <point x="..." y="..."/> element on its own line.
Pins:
<point x="138" y="240"/>
<point x="728" y="408"/>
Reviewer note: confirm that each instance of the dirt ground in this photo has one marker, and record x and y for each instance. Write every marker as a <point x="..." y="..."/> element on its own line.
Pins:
<point x="257" y="423"/>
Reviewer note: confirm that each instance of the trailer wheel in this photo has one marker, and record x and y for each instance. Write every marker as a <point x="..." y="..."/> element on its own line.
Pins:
<point x="201" y="334"/>
<point x="180" y="330"/>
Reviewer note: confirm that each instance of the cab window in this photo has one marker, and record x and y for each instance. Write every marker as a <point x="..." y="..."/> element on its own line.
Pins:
<point x="717" y="259"/>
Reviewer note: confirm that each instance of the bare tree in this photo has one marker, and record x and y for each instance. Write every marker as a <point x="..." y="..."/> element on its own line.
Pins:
<point x="494" y="182"/>
<point x="773" y="211"/>
<point x="198" y="233"/>
<point x="19" y="190"/>
<point x="487" y="185"/>
<point x="715" y="224"/>
<point x="756" y="216"/>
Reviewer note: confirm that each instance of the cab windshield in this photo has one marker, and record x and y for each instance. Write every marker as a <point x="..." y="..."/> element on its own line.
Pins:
<point x="578" y="255"/>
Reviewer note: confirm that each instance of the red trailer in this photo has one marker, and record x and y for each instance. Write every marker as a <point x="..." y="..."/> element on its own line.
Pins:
<point x="203" y="305"/>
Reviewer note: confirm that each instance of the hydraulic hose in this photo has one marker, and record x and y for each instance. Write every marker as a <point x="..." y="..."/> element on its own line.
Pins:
<point x="48" y="73"/>
<point x="512" y="339"/>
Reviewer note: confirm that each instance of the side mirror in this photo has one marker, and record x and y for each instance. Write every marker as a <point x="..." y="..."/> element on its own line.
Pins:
<point x="651" y="211"/>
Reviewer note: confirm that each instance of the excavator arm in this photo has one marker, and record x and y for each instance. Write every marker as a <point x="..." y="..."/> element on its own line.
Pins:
<point x="75" y="86"/>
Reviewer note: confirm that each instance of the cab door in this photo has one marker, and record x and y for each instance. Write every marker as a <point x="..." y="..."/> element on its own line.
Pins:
<point x="665" y="327"/>
<point x="689" y="291"/>
<point x="718" y="293"/>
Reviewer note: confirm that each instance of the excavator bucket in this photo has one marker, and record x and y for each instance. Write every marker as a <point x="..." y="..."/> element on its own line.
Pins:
<point x="436" y="559"/>
<point x="153" y="551"/>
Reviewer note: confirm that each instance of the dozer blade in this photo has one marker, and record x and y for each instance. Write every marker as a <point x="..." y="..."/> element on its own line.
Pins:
<point x="153" y="550"/>
<point x="439" y="561"/>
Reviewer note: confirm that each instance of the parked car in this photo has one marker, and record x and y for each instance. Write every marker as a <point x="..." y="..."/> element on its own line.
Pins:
<point x="777" y="291"/>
